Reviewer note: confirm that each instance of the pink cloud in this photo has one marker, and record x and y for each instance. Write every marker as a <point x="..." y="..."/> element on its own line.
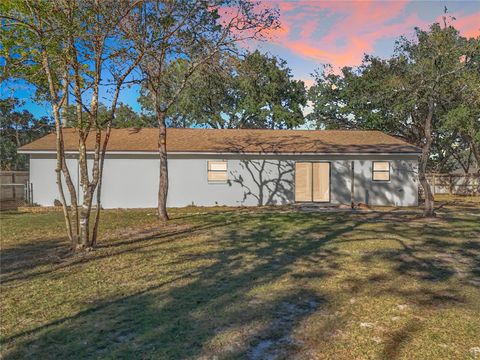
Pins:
<point x="341" y="32"/>
<point x="469" y="26"/>
<point x="308" y="82"/>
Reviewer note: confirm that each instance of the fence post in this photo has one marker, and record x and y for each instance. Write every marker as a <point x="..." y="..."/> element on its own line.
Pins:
<point x="433" y="182"/>
<point x="14" y="190"/>
<point x="27" y="184"/>
<point x="352" y="186"/>
<point x="27" y="192"/>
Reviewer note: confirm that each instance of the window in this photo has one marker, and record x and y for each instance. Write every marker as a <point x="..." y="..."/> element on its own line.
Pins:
<point x="217" y="171"/>
<point x="381" y="171"/>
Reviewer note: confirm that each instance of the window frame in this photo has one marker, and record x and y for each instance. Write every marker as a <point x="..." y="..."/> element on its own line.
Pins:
<point x="217" y="171"/>
<point x="382" y="171"/>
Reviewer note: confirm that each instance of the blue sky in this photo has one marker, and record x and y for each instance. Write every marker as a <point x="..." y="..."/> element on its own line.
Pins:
<point x="319" y="32"/>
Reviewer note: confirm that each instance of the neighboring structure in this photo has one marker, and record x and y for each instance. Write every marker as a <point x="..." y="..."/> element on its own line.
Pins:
<point x="241" y="167"/>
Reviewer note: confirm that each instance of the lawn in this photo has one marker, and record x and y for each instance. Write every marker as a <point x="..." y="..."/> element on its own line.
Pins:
<point x="260" y="283"/>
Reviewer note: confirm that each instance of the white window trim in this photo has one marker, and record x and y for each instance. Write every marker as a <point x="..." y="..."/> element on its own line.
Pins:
<point x="217" y="171"/>
<point x="389" y="171"/>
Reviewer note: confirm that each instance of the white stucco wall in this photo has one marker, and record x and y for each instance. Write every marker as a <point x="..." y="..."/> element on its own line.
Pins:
<point x="131" y="181"/>
<point x="401" y="190"/>
<point x="251" y="182"/>
<point x="44" y="178"/>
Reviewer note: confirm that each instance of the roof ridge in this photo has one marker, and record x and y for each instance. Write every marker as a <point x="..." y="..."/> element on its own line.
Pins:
<point x="241" y="129"/>
<point x="250" y="129"/>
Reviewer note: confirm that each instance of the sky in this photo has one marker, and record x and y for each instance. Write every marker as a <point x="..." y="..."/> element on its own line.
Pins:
<point x="339" y="33"/>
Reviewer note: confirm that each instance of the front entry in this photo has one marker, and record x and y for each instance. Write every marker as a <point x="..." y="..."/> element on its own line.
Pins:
<point x="312" y="181"/>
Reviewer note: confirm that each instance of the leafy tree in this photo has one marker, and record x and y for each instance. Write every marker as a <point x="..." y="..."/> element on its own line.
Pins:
<point x="16" y="129"/>
<point x="449" y="152"/>
<point x="176" y="38"/>
<point x="65" y="49"/>
<point x="251" y="91"/>
<point x="265" y="95"/>
<point x="462" y="117"/>
<point x="124" y="117"/>
<point x="206" y="97"/>
<point x="406" y="95"/>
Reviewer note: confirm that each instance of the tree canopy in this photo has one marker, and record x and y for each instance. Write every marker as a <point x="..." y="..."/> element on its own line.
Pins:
<point x="66" y="51"/>
<point x="16" y="129"/>
<point x="252" y="91"/>
<point x="426" y="93"/>
<point x="392" y="95"/>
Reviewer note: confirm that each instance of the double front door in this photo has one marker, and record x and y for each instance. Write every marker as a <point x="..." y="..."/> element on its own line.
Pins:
<point x="312" y="182"/>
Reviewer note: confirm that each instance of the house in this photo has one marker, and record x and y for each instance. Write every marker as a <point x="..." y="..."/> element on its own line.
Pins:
<point x="243" y="167"/>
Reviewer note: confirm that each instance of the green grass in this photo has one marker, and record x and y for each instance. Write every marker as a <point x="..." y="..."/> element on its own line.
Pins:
<point x="259" y="283"/>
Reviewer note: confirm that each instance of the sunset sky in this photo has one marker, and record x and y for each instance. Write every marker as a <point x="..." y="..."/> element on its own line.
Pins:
<point x="336" y="32"/>
<point x="340" y="32"/>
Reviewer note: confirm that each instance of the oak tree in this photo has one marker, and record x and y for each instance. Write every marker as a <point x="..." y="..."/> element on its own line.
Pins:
<point x="177" y="38"/>
<point x="408" y="95"/>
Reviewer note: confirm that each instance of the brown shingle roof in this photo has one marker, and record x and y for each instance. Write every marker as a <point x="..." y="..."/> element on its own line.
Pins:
<point x="238" y="141"/>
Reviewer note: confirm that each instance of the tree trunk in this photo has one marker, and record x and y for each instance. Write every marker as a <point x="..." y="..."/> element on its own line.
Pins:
<point x="99" y="186"/>
<point x="162" y="152"/>
<point x="476" y="154"/>
<point x="62" y="168"/>
<point x="73" y="197"/>
<point x="82" y="164"/>
<point x="88" y="189"/>
<point x="60" y="152"/>
<point x="429" y="210"/>
<point x="83" y="243"/>
<point x="92" y="185"/>
<point x="60" y="161"/>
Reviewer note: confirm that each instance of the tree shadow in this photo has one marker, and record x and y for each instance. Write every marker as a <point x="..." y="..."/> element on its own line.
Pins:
<point x="30" y="255"/>
<point x="399" y="339"/>
<point x="200" y="305"/>
<point x="213" y="310"/>
<point x="22" y="262"/>
<point x="432" y="260"/>
<point x="270" y="182"/>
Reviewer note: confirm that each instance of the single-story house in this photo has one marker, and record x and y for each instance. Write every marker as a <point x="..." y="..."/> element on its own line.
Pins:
<point x="242" y="167"/>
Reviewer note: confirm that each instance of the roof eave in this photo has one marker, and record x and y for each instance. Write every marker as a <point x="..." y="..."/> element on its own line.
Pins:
<point x="142" y="152"/>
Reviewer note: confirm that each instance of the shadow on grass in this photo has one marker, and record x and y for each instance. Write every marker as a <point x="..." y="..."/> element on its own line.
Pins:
<point x="183" y="320"/>
<point x="32" y="254"/>
<point x="399" y="339"/>
<point x="197" y="311"/>
<point x="57" y="253"/>
<point x="435" y="259"/>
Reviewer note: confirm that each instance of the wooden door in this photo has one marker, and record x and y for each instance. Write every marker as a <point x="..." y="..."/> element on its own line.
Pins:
<point x="321" y="182"/>
<point x="312" y="181"/>
<point x="303" y="181"/>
